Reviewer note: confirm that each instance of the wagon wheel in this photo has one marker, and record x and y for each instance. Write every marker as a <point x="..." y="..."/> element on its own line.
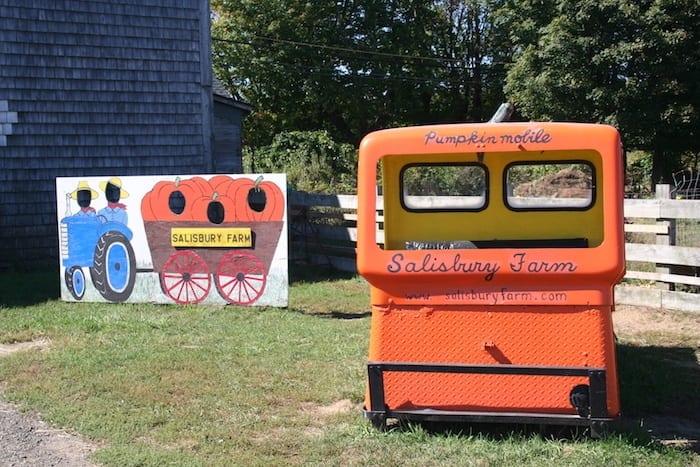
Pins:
<point x="185" y="277"/>
<point x="240" y="278"/>
<point x="75" y="281"/>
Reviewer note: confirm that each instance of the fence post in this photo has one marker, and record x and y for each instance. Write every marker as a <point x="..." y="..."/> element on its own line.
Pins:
<point x="663" y="192"/>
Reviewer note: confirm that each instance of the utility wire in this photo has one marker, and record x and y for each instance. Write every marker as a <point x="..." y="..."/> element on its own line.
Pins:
<point x="439" y="60"/>
<point x="357" y="51"/>
<point x="330" y="73"/>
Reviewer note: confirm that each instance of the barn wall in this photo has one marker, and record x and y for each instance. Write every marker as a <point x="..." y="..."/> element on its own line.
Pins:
<point x="95" y="88"/>
<point x="227" y="151"/>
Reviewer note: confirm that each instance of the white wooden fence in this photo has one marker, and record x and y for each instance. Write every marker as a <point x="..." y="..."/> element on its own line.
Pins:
<point x="662" y="244"/>
<point x="663" y="253"/>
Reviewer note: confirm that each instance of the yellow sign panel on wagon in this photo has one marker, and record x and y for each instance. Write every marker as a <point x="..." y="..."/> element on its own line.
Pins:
<point x="194" y="237"/>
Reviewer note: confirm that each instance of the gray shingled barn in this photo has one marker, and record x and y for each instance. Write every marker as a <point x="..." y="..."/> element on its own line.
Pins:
<point x="102" y="87"/>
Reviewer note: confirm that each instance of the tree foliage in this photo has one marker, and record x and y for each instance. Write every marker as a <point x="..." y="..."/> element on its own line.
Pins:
<point x="351" y="66"/>
<point x="444" y="180"/>
<point x="629" y="63"/>
<point x="312" y="161"/>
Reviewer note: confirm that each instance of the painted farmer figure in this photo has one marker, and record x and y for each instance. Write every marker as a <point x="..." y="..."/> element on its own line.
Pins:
<point x="84" y="195"/>
<point x="114" y="211"/>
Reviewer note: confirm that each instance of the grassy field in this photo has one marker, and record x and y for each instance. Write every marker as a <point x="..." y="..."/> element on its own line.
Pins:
<point x="197" y="385"/>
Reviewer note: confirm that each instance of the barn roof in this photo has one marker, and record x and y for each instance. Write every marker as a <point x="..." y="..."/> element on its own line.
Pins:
<point x="223" y="95"/>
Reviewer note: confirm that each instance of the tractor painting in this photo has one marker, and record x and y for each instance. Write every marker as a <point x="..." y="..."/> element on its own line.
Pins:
<point x="102" y="247"/>
<point x="98" y="241"/>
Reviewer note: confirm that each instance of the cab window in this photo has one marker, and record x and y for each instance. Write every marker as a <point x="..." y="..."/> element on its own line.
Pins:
<point x="560" y="185"/>
<point x="444" y="187"/>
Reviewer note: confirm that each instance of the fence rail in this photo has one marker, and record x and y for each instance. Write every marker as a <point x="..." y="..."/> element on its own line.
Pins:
<point x="662" y="244"/>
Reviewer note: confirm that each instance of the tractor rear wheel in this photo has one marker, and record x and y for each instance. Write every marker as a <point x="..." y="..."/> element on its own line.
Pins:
<point x="114" y="267"/>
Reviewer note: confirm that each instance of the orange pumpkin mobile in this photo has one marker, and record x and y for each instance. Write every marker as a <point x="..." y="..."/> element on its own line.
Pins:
<point x="492" y="287"/>
<point x="222" y="230"/>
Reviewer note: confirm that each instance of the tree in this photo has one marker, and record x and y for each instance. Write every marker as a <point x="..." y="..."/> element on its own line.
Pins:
<point x="629" y="63"/>
<point x="350" y="66"/>
<point x="474" y="75"/>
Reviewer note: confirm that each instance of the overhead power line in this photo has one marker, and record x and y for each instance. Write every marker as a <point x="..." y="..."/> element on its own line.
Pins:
<point x="439" y="60"/>
<point x="298" y="69"/>
<point x="358" y="51"/>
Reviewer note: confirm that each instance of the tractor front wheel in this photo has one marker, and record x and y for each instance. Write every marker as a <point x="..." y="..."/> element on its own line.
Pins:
<point x="75" y="281"/>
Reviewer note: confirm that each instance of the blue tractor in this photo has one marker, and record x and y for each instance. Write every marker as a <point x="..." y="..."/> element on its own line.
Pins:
<point x="105" y="248"/>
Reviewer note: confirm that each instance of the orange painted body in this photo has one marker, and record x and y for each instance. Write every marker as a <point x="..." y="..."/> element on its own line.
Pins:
<point x="493" y="279"/>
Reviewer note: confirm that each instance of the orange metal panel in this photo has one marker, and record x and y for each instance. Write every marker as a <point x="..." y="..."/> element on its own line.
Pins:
<point x="552" y="336"/>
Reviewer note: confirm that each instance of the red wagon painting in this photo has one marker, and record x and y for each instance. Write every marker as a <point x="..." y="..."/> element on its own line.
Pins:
<point x="223" y="231"/>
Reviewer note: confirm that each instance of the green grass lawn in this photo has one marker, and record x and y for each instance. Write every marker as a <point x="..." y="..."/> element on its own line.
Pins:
<point x="201" y="385"/>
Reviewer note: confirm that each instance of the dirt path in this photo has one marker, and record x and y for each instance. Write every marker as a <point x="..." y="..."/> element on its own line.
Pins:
<point x="26" y="440"/>
<point x="634" y="321"/>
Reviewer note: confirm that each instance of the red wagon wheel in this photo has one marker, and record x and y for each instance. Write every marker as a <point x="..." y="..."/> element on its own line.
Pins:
<point x="185" y="277"/>
<point x="240" y="278"/>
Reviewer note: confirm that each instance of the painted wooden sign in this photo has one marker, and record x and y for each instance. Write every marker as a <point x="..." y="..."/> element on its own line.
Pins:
<point x="211" y="239"/>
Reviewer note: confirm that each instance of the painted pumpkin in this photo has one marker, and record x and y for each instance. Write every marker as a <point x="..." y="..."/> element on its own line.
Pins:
<point x="220" y="183"/>
<point x="257" y="200"/>
<point x="171" y="200"/>
<point x="204" y="186"/>
<point x="215" y="209"/>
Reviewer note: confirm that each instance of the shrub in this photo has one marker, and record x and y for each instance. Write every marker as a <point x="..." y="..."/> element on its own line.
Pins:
<point x="313" y="162"/>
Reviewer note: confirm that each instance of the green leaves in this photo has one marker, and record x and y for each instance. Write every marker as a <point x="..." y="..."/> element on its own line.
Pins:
<point x="312" y="161"/>
<point x="628" y="63"/>
<point x="353" y="67"/>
